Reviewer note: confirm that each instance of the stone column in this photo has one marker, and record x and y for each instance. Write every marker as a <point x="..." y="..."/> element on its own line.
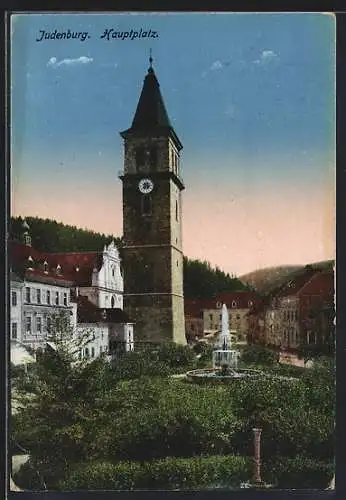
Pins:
<point x="257" y="446"/>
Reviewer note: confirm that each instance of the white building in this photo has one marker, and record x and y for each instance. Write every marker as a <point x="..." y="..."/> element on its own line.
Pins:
<point x="16" y="298"/>
<point x="76" y="292"/>
<point x="96" y="275"/>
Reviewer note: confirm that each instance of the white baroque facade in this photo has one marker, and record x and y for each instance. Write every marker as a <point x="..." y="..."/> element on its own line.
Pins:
<point x="107" y="286"/>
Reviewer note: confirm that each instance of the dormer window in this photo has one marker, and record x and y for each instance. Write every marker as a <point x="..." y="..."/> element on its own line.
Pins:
<point x="45" y="267"/>
<point x="30" y="263"/>
<point x="250" y="303"/>
<point x="77" y="269"/>
<point x="234" y="304"/>
<point x="58" y="269"/>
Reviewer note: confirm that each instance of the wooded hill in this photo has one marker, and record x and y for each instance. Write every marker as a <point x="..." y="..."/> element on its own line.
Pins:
<point x="201" y="280"/>
<point x="265" y="280"/>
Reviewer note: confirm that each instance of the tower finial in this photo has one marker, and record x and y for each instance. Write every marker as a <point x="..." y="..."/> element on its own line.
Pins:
<point x="150" y="59"/>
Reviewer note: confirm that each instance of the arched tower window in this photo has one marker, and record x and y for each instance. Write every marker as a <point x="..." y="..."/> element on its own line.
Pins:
<point x="112" y="302"/>
<point x="176" y="210"/>
<point x="146" y="204"/>
<point x="153" y="158"/>
<point x="140" y="156"/>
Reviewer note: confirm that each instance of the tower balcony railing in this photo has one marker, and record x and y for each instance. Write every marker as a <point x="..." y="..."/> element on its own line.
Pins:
<point x="121" y="174"/>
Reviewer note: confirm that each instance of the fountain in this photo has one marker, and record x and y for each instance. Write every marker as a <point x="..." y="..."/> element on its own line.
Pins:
<point x="225" y="359"/>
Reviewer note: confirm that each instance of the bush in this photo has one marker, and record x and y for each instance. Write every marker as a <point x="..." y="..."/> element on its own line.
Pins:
<point x="160" y="418"/>
<point x="170" y="473"/>
<point x="291" y="424"/>
<point x="260" y="355"/>
<point x="132" y="365"/>
<point x="174" y="355"/>
<point x="298" y="472"/>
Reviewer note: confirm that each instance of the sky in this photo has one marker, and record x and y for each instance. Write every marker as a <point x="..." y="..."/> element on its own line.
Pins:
<point x="251" y="97"/>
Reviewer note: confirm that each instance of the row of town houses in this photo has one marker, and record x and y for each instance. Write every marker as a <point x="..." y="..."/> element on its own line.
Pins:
<point x="298" y="312"/>
<point x="79" y="294"/>
<point x="86" y="290"/>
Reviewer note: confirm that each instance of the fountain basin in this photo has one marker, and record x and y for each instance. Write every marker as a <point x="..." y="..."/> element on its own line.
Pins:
<point x="215" y="376"/>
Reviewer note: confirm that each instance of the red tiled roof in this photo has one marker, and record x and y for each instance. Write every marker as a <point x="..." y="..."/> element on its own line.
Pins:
<point x="242" y="299"/>
<point x="321" y="284"/>
<point x="42" y="277"/>
<point x="194" y="308"/>
<point x="87" y="312"/>
<point x="294" y="285"/>
<point x="76" y="267"/>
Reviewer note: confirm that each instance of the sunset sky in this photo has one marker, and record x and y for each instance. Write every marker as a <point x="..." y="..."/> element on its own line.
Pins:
<point x="251" y="97"/>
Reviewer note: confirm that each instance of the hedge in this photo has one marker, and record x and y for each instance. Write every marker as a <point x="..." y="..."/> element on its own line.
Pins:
<point x="300" y="472"/>
<point x="167" y="474"/>
<point x="197" y="473"/>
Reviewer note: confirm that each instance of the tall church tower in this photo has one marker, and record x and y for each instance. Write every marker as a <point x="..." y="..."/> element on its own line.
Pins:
<point x="152" y="218"/>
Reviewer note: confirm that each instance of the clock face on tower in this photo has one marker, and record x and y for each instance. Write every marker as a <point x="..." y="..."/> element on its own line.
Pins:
<point x="145" y="186"/>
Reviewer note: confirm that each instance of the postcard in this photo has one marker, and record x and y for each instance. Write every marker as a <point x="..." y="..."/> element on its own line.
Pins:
<point x="172" y="251"/>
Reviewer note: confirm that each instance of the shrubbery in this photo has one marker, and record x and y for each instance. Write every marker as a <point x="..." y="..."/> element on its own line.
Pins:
<point x="99" y="413"/>
<point x="194" y="473"/>
<point x="299" y="472"/>
<point x="257" y="354"/>
<point x="170" y="473"/>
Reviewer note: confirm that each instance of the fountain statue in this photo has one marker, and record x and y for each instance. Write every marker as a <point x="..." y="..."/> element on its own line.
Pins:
<point x="224" y="356"/>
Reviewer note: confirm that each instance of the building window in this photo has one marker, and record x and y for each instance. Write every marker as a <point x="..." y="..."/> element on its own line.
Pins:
<point x="176" y="210"/>
<point x="39" y="324"/>
<point x="28" y="294"/>
<point x="112" y="302"/>
<point x="86" y="352"/>
<point x="211" y="317"/>
<point x="28" y="324"/>
<point x="48" y="297"/>
<point x="57" y="298"/>
<point x="14" y="299"/>
<point x="58" y="269"/>
<point x="14" y="330"/>
<point x="38" y="296"/>
<point x="93" y="352"/>
<point x="234" y="304"/>
<point x="113" y="272"/>
<point x="49" y="324"/>
<point x="250" y="303"/>
<point x="139" y="156"/>
<point x="146" y="204"/>
<point x="65" y="299"/>
<point x="45" y="266"/>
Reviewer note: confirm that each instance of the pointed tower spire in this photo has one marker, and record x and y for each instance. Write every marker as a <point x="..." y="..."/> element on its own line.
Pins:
<point x="150" y="60"/>
<point x="151" y="116"/>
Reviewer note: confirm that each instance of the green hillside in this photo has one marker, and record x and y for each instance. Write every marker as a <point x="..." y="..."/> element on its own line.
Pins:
<point x="201" y="280"/>
<point x="265" y="280"/>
